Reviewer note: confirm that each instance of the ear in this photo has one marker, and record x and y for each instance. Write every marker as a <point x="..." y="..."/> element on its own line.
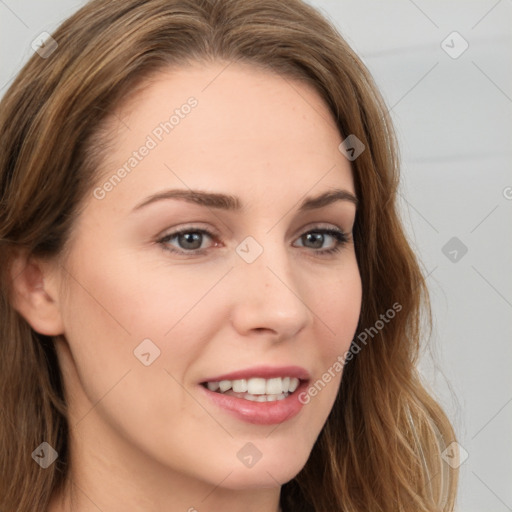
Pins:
<point x="35" y="294"/>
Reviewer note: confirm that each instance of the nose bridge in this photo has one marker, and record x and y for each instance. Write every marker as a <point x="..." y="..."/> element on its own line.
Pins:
<point x="269" y="294"/>
<point x="265" y="260"/>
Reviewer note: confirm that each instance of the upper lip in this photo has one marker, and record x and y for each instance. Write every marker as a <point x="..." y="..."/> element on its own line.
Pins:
<point x="266" y="372"/>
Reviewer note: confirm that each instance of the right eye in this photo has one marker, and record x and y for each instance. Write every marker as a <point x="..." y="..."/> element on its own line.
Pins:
<point x="189" y="241"/>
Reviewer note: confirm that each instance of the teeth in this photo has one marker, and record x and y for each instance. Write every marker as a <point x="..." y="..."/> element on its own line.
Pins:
<point x="213" y="386"/>
<point x="224" y="385"/>
<point x="294" y="384"/>
<point x="257" y="387"/>
<point x="240" y="386"/>
<point x="274" y="386"/>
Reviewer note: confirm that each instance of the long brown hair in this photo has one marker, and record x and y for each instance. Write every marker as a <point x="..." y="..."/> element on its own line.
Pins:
<point x="380" y="449"/>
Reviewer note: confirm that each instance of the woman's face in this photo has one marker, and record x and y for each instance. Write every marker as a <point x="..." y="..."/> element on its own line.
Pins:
<point x="245" y="293"/>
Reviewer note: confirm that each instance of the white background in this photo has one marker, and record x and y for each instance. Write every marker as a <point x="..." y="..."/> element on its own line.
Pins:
<point x="454" y="121"/>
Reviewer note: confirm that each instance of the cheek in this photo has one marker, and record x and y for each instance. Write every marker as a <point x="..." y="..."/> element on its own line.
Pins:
<point x="338" y="306"/>
<point x="109" y="313"/>
<point x="121" y="309"/>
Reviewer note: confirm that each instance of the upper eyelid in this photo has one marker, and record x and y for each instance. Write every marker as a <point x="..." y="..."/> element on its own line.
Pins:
<point x="214" y="233"/>
<point x="198" y="227"/>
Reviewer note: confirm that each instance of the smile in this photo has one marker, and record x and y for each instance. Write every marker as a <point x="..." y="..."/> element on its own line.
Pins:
<point x="256" y="389"/>
<point x="261" y="395"/>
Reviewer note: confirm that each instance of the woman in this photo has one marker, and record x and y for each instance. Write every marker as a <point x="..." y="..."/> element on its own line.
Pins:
<point x="208" y="301"/>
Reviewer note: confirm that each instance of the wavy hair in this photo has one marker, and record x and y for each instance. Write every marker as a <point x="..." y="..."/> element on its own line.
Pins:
<point x="381" y="447"/>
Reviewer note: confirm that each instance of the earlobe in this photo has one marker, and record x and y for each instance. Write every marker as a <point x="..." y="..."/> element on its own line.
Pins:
<point x="35" y="295"/>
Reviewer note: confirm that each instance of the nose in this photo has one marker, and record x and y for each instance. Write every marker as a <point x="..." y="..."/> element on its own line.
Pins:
<point x="268" y="299"/>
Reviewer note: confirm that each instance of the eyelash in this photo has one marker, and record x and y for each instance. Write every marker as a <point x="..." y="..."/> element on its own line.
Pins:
<point x="340" y="237"/>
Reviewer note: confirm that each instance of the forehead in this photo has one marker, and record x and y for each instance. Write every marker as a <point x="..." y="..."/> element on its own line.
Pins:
<point x="225" y="124"/>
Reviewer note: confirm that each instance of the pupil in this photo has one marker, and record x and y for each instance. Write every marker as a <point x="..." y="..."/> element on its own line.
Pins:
<point x="316" y="238"/>
<point x="191" y="238"/>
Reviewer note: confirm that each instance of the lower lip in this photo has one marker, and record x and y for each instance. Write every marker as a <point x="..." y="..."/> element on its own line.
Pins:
<point x="259" y="413"/>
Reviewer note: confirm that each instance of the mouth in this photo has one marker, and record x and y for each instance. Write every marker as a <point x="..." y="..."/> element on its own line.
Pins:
<point x="256" y="389"/>
<point x="260" y="395"/>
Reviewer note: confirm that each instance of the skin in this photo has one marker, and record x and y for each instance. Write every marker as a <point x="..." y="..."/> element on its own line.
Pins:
<point x="143" y="438"/>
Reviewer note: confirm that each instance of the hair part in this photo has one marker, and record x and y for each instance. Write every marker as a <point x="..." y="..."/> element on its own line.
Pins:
<point x="380" y="448"/>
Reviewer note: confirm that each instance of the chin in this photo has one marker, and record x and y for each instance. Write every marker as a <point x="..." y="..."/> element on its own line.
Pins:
<point x="241" y="479"/>
<point x="278" y="469"/>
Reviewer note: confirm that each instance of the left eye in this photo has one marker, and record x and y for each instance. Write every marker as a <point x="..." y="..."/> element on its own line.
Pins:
<point x="190" y="241"/>
<point x="318" y="237"/>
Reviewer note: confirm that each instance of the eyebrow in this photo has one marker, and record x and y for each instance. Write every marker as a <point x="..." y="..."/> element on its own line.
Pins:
<point x="232" y="203"/>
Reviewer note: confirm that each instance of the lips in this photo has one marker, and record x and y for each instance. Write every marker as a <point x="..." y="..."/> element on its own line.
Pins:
<point x="259" y="395"/>
<point x="266" y="372"/>
<point x="255" y="386"/>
